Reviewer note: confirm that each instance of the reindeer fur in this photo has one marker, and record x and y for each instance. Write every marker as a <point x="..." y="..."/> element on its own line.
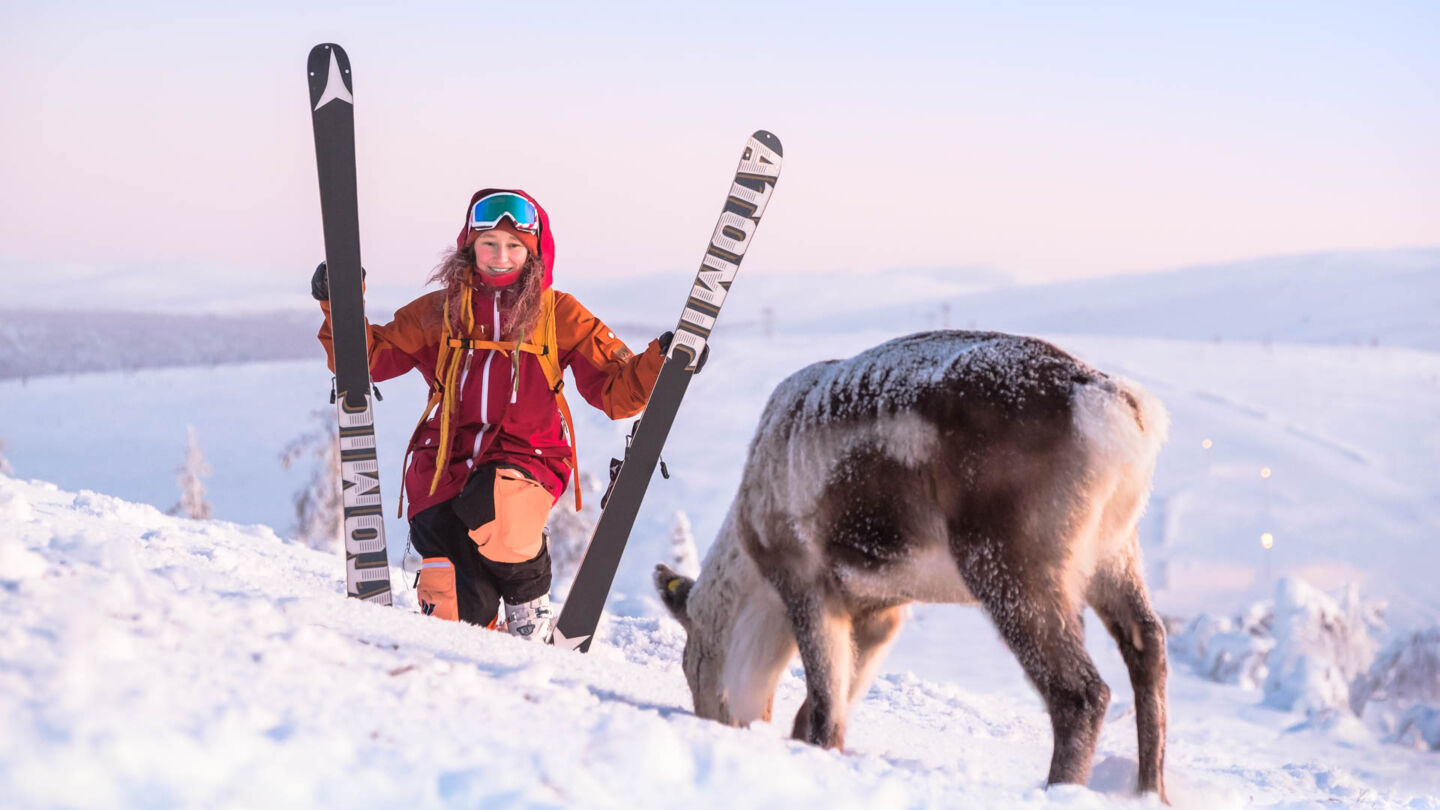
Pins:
<point x="941" y="467"/>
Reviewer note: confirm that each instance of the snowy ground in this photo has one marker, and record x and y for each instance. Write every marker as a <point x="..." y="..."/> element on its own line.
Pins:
<point x="149" y="661"/>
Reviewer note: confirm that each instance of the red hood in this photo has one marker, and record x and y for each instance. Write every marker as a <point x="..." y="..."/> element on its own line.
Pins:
<point x="547" y="241"/>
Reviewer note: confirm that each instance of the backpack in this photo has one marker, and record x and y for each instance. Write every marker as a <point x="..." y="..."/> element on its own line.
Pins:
<point x="543" y="343"/>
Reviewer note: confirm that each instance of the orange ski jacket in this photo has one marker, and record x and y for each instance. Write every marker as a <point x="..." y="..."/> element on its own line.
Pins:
<point x="505" y="409"/>
<point x="497" y="417"/>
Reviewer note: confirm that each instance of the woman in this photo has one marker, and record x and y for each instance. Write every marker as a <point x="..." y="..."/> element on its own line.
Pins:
<point x="491" y="455"/>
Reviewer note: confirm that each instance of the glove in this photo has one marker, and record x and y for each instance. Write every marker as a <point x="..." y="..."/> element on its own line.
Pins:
<point x="667" y="337"/>
<point x="320" y="283"/>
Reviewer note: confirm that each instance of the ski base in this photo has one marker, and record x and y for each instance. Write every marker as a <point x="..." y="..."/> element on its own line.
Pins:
<point x="332" y="112"/>
<point x="749" y="195"/>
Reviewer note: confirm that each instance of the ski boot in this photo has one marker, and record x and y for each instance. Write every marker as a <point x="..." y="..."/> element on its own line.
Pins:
<point x="532" y="621"/>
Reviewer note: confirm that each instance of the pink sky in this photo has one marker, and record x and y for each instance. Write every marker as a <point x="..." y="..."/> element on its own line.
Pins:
<point x="1051" y="143"/>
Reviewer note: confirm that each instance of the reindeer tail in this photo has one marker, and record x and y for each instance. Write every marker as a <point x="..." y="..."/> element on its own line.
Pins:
<point x="1120" y="420"/>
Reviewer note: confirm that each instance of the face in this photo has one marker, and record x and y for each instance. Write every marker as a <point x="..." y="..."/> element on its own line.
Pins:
<point x="702" y="667"/>
<point x="499" y="253"/>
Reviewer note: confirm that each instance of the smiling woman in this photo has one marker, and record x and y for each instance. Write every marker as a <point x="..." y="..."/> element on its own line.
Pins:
<point x="495" y="447"/>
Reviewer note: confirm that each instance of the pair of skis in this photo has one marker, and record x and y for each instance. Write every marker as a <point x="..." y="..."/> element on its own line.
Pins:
<point x="367" y="570"/>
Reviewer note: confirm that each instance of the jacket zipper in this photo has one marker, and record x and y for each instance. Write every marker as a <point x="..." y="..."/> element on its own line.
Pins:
<point x="485" y="380"/>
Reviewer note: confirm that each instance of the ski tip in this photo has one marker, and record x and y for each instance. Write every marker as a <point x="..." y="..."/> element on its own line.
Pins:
<point x="771" y="142"/>
<point x="321" y="56"/>
<point x="324" y="49"/>
<point x="329" y="74"/>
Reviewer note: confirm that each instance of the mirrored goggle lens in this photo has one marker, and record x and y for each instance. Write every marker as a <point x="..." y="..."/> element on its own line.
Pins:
<point x="488" y="212"/>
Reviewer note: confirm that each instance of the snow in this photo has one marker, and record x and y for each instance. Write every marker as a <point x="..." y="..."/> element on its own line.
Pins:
<point x="1320" y="648"/>
<point x="1223" y="650"/>
<point x="1407" y="670"/>
<point x="156" y="661"/>
<point x="898" y="373"/>
<point x="1308" y="652"/>
<point x="1381" y="298"/>
<point x="149" y="660"/>
<point x="1399" y="696"/>
<point x="1421" y="724"/>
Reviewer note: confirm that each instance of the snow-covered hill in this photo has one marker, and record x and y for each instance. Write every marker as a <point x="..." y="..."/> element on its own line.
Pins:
<point x="1382" y="298"/>
<point x="1354" y="298"/>
<point x="150" y="661"/>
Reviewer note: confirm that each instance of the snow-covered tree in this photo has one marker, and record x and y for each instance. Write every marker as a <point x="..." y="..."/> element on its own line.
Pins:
<point x="5" y="468"/>
<point x="1407" y="671"/>
<point x="319" y="509"/>
<point x="1304" y="649"/>
<point x="684" y="558"/>
<point x="192" y="491"/>
<point x="1400" y="694"/>
<point x="1322" y="646"/>
<point x="570" y="531"/>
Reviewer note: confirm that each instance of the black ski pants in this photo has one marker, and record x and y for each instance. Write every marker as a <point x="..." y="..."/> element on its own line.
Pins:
<point x="440" y="535"/>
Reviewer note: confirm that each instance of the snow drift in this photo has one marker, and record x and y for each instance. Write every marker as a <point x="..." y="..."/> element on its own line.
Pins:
<point x="153" y="661"/>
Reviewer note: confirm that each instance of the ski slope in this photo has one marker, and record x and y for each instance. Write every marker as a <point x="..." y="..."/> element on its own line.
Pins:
<point x="151" y="661"/>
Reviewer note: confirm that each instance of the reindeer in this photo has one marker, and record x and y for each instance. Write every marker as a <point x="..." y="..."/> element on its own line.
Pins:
<point x="947" y="466"/>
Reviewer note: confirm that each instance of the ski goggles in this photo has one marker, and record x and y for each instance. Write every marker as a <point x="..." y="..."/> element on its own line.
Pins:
<point x="490" y="209"/>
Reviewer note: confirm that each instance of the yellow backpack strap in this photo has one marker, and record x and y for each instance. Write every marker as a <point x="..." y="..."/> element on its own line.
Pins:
<point x="505" y="346"/>
<point x="447" y="364"/>
<point x="555" y="376"/>
<point x="447" y="375"/>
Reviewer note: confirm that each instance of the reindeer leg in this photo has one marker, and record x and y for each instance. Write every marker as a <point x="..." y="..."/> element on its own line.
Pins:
<point x="760" y="648"/>
<point x="800" y="729"/>
<point x="1051" y="649"/>
<point x="1124" y="606"/>
<point x="873" y="633"/>
<point x="1045" y="634"/>
<point x="822" y="632"/>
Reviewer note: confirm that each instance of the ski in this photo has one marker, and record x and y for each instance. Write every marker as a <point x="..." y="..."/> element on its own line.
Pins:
<point x="749" y="194"/>
<point x="332" y="111"/>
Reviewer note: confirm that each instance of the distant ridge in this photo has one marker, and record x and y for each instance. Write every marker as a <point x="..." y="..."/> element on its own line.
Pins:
<point x="41" y="343"/>
<point x="1384" y="297"/>
<point x="1380" y="297"/>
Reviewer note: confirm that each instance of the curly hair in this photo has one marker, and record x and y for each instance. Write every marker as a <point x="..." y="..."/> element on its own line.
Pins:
<point x="519" y="303"/>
